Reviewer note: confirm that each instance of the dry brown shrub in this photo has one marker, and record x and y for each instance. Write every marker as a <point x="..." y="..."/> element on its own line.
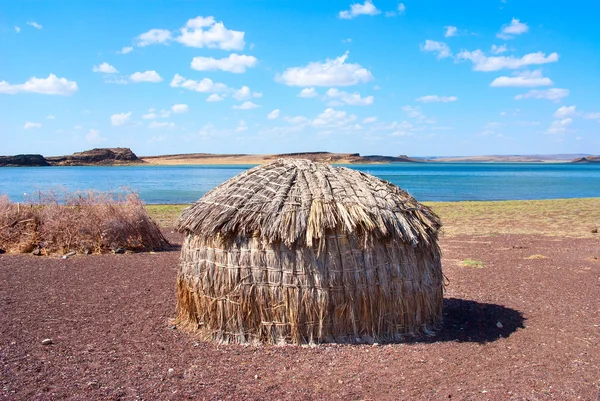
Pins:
<point x="95" y="222"/>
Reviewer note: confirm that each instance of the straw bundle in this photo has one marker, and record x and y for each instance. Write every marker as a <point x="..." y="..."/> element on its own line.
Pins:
<point x="298" y="252"/>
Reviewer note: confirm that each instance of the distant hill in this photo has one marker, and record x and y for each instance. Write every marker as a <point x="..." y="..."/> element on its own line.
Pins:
<point x="98" y="156"/>
<point x="587" y="159"/>
<point x="509" y="158"/>
<point x="323" y="157"/>
<point x="94" y="157"/>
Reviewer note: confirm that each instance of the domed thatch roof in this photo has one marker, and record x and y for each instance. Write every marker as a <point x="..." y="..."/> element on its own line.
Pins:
<point x="297" y="201"/>
<point x="295" y="251"/>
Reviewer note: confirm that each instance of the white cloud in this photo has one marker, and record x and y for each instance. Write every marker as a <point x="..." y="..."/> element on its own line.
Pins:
<point x="153" y="36"/>
<point x="554" y="94"/>
<point x="206" y="85"/>
<point x="483" y="63"/>
<point x="436" y="99"/>
<point x="120" y="119"/>
<point x="150" y="116"/>
<point x="515" y="27"/>
<point x="334" y="72"/>
<point x="352" y="99"/>
<point x="214" y="98"/>
<point x="565" y="111"/>
<point x="273" y="115"/>
<point x="165" y="113"/>
<point x="451" y="31"/>
<point x="125" y="50"/>
<point x="34" y="24"/>
<point x="523" y="79"/>
<point x="30" y="125"/>
<point x="180" y="108"/>
<point x="246" y="106"/>
<point x="400" y="10"/>
<point x="298" y="120"/>
<point x="17" y="29"/>
<point x="111" y="79"/>
<point x="308" y="92"/>
<point x="357" y="9"/>
<point x="105" y="68"/>
<point x="592" y="116"/>
<point x="441" y="48"/>
<point x="161" y="125"/>
<point x="94" y="137"/>
<point x="559" y="126"/>
<point x="499" y="49"/>
<point x="369" y="120"/>
<point x="47" y="86"/>
<point x="50" y="117"/>
<point x="241" y="127"/>
<point x="195" y="34"/>
<point x="331" y="117"/>
<point x="146" y="76"/>
<point x="235" y="63"/>
<point x="349" y="40"/>
<point x="244" y="93"/>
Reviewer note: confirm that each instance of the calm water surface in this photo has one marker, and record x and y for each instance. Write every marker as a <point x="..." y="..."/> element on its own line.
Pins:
<point x="426" y="181"/>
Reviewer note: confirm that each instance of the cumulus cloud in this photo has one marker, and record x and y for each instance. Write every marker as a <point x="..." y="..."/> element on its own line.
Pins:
<point x="105" y="68"/>
<point x="357" y="9"/>
<point x="206" y="32"/>
<point x="351" y="99"/>
<point x="30" y="125"/>
<point x="214" y="98"/>
<point x="34" y="24"/>
<point x="241" y="127"/>
<point x="308" y="92"/>
<point x="120" y="119"/>
<point x="451" y="31"/>
<point x="400" y="10"/>
<point x="17" y="29"/>
<point x="47" y="86"/>
<point x="146" y="76"/>
<point x="515" y="27"/>
<point x="246" y="106"/>
<point x="499" y="49"/>
<point x="441" y="48"/>
<point x="206" y="85"/>
<point x="331" y="118"/>
<point x="93" y="136"/>
<point x="273" y="115"/>
<point x="180" y="108"/>
<point x="554" y="94"/>
<point x="523" y="79"/>
<point x="153" y="36"/>
<point x="483" y="63"/>
<point x="436" y="99"/>
<point x="50" y="117"/>
<point x="565" y="111"/>
<point x="244" y="93"/>
<point x="559" y="126"/>
<point x="334" y="72"/>
<point x="369" y="120"/>
<point x="150" y="116"/>
<point x="236" y="63"/>
<point x="161" y="125"/>
<point x="125" y="50"/>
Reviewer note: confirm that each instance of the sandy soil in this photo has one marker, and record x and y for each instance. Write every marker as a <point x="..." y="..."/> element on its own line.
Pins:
<point x="108" y="317"/>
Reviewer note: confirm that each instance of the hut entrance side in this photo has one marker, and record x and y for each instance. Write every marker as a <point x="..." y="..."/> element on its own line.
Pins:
<point x="295" y="252"/>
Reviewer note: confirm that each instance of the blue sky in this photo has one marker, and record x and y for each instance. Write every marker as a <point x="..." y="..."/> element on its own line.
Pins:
<point x="421" y="78"/>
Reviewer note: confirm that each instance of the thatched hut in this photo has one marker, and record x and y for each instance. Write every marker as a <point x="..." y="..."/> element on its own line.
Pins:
<point x="296" y="251"/>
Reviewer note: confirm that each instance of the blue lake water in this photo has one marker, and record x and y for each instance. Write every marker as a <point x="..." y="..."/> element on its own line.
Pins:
<point x="425" y="181"/>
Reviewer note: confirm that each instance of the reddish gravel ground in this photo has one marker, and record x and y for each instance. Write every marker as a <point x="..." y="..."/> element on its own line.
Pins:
<point x="108" y="317"/>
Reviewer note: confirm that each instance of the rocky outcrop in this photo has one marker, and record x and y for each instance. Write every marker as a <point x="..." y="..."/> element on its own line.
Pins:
<point x="100" y="156"/>
<point x="23" y="161"/>
<point x="354" y="158"/>
<point x="587" y="159"/>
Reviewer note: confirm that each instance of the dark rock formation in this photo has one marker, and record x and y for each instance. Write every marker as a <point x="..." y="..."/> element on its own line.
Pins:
<point x="101" y="156"/>
<point x="587" y="159"/>
<point x="23" y="160"/>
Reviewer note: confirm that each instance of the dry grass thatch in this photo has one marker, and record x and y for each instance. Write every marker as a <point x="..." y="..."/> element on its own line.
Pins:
<point x="86" y="222"/>
<point x="296" y="251"/>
